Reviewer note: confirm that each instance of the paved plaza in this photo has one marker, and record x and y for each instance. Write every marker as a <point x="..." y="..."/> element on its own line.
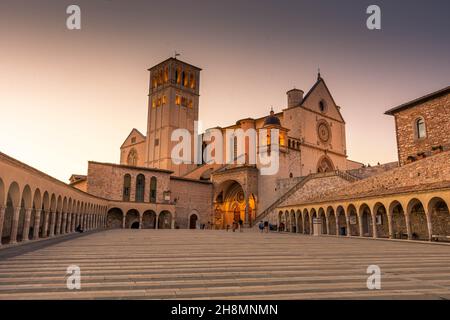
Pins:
<point x="206" y="264"/>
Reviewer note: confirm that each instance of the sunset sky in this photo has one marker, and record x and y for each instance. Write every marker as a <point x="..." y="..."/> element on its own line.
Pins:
<point x="67" y="97"/>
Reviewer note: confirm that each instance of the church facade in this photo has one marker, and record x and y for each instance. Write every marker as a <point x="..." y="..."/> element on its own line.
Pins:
<point x="312" y="139"/>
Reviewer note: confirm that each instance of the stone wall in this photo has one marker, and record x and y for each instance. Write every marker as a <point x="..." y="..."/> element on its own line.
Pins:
<point x="106" y="180"/>
<point x="436" y="113"/>
<point x="192" y="197"/>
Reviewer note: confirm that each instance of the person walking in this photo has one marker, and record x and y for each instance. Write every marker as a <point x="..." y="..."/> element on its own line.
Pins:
<point x="261" y="227"/>
<point x="266" y="226"/>
<point x="240" y="225"/>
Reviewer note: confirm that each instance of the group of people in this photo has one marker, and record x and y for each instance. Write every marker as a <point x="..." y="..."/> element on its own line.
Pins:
<point x="236" y="225"/>
<point x="264" y="226"/>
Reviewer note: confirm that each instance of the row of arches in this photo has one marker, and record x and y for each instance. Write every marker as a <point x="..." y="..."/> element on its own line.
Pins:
<point x="30" y="212"/>
<point x="416" y="218"/>
<point x="133" y="219"/>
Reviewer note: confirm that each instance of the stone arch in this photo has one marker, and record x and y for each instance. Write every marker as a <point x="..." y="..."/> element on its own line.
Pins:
<point x="398" y="220"/>
<point x="149" y="219"/>
<point x="331" y="221"/>
<point x="293" y="223"/>
<point x="439" y="217"/>
<point x="341" y="221"/>
<point x="307" y="222"/>
<point x="25" y="205"/>
<point x="131" y="217"/>
<point x="417" y="220"/>
<point x="325" y="164"/>
<point x="353" y="220"/>
<point x="381" y="220"/>
<point x="323" y="219"/>
<point x="44" y="215"/>
<point x="165" y="220"/>
<point x="230" y="201"/>
<point x="299" y="221"/>
<point x="13" y="200"/>
<point x="365" y="219"/>
<point x="193" y="220"/>
<point x="280" y="220"/>
<point x="114" y="218"/>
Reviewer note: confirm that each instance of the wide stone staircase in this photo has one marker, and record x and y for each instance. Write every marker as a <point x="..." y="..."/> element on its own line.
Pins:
<point x="299" y="185"/>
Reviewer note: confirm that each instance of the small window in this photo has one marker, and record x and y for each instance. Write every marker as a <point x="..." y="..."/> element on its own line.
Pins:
<point x="322" y="106"/>
<point x="133" y="140"/>
<point x="420" y="128"/>
<point x="156" y="142"/>
<point x="177" y="100"/>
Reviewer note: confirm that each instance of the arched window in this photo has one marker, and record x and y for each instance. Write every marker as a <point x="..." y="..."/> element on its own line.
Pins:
<point x="132" y="158"/>
<point x="183" y="78"/>
<point x="153" y="184"/>
<point x="126" y="187"/>
<point x="322" y="106"/>
<point x="140" y="188"/>
<point x="420" y="128"/>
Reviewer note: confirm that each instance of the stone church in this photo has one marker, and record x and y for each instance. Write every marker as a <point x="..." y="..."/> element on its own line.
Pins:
<point x="312" y="139"/>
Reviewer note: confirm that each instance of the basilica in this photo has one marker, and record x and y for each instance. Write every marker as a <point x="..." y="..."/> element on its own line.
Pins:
<point x="316" y="189"/>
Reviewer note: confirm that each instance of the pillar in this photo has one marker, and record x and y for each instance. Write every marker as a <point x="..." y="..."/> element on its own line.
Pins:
<point x="123" y="221"/>
<point x="347" y="220"/>
<point x="37" y="224"/>
<point x="69" y="223"/>
<point x="297" y="229"/>
<point x="15" y="225"/>
<point x="58" y="222"/>
<point x="46" y="222"/>
<point x="408" y="226"/>
<point x="391" y="235"/>
<point x="429" y="225"/>
<point x="246" y="214"/>
<point x="26" y="225"/>
<point x="2" y="218"/>
<point x="374" y="226"/>
<point x="327" y="228"/>
<point x="64" y="223"/>
<point x="172" y="223"/>
<point x="157" y="221"/>
<point x="140" y="220"/>
<point x="337" y="224"/>
<point x="360" y="225"/>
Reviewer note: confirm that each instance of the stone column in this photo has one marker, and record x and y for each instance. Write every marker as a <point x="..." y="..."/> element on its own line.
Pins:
<point x="297" y="229"/>
<point x="337" y="225"/>
<point x="123" y="221"/>
<point x="349" y="231"/>
<point x="58" y="223"/>
<point x="174" y="218"/>
<point x="157" y="221"/>
<point x="37" y="224"/>
<point x="374" y="226"/>
<point x="64" y="223"/>
<point x="69" y="223"/>
<point x="26" y="225"/>
<point x="140" y="220"/>
<point x="246" y="215"/>
<point x="15" y="225"/>
<point x="327" y="228"/>
<point x="429" y="225"/>
<point x="52" y="223"/>
<point x="2" y="218"/>
<point x="390" y="227"/>
<point x="360" y="225"/>
<point x="408" y="226"/>
<point x="45" y="224"/>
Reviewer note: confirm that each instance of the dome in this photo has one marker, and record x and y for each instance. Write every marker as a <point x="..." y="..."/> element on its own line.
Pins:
<point x="272" y="120"/>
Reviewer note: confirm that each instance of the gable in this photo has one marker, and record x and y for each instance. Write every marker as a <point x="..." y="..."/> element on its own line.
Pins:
<point x="320" y="93"/>
<point x="134" y="137"/>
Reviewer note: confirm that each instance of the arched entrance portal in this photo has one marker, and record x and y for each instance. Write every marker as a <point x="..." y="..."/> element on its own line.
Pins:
<point x="114" y="218"/>
<point x="131" y="218"/>
<point x="165" y="220"/>
<point x="149" y="220"/>
<point x="193" y="221"/>
<point x="231" y="203"/>
<point x="135" y="225"/>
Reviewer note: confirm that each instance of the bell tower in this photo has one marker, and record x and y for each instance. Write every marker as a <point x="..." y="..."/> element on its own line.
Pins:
<point x="173" y="103"/>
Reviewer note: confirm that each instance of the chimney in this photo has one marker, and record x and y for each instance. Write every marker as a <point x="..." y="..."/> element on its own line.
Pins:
<point x="294" y="97"/>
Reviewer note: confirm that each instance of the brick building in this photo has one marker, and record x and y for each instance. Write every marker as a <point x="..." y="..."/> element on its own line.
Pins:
<point x="423" y="126"/>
